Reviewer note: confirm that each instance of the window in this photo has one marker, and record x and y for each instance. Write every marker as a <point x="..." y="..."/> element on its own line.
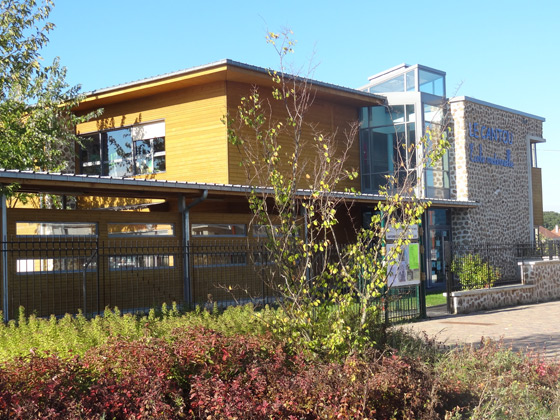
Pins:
<point x="432" y="83"/>
<point x="55" y="265"/>
<point x="396" y="84"/>
<point x="263" y="231"/>
<point x="262" y="258"/>
<point x="387" y="136"/>
<point x="135" y="150"/>
<point x="217" y="229"/>
<point x="436" y="173"/>
<point x="55" y="229"/>
<point x="215" y="258"/>
<point x="140" y="262"/>
<point x="140" y="229"/>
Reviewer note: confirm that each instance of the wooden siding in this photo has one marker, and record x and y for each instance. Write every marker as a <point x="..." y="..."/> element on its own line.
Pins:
<point x="536" y="177"/>
<point x="107" y="282"/>
<point x="195" y="138"/>
<point x="327" y="117"/>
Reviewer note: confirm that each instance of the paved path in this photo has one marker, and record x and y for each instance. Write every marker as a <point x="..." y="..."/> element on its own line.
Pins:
<point x="529" y="327"/>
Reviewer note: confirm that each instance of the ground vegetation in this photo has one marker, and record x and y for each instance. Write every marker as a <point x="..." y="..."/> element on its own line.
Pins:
<point x="224" y="365"/>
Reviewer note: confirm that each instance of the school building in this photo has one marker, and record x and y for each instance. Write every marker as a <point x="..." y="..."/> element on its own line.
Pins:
<point x="156" y="188"/>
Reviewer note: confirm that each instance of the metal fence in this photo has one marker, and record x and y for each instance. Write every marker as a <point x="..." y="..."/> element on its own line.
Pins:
<point x="58" y="275"/>
<point x="491" y="265"/>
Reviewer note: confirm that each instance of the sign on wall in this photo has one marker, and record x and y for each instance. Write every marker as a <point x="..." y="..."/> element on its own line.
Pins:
<point x="491" y="134"/>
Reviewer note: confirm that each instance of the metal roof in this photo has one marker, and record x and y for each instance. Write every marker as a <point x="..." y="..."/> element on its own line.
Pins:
<point x="73" y="184"/>
<point x="221" y="63"/>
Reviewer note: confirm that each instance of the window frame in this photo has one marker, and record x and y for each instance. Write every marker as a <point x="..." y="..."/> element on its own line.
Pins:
<point x="105" y="164"/>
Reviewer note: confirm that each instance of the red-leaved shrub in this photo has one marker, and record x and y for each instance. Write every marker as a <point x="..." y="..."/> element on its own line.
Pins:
<point x="198" y="373"/>
<point x="133" y="380"/>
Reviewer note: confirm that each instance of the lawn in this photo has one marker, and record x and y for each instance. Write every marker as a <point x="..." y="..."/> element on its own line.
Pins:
<point x="435" y="297"/>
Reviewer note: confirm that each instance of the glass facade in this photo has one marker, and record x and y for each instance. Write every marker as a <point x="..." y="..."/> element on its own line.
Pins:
<point x="436" y="175"/>
<point x="431" y="83"/>
<point x="384" y="129"/>
<point x="386" y="136"/>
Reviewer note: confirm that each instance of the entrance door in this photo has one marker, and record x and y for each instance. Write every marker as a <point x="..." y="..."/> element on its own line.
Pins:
<point x="438" y="256"/>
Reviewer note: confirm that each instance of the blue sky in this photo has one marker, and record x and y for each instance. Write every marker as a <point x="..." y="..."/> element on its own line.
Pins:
<point x="504" y="52"/>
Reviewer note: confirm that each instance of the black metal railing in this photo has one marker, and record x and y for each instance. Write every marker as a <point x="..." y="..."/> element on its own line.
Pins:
<point x="58" y="275"/>
<point x="492" y="265"/>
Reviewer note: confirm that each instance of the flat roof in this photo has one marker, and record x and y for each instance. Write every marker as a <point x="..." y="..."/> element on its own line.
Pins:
<point x="107" y="186"/>
<point x="402" y="68"/>
<point x="503" y="108"/>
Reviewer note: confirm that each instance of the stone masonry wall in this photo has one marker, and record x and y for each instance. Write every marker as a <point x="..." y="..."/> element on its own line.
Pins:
<point x="541" y="282"/>
<point x="492" y="172"/>
<point x="545" y="275"/>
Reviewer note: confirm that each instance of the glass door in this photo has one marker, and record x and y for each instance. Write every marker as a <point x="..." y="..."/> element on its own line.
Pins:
<point x="439" y="255"/>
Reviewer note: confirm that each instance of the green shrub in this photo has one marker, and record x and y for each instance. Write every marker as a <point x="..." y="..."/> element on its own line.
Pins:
<point x="74" y="335"/>
<point x="473" y="272"/>
<point x="490" y="381"/>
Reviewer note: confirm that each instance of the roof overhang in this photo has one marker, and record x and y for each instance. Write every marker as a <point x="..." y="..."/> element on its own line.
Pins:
<point x="105" y="186"/>
<point x="224" y="70"/>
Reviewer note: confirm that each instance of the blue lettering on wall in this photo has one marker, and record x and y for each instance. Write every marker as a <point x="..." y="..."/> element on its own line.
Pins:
<point x="490" y="133"/>
<point x="490" y="160"/>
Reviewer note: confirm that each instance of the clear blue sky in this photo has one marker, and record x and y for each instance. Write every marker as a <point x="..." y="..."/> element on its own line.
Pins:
<point x="504" y="52"/>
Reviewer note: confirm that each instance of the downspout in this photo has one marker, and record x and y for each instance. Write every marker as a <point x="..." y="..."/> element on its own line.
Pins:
<point x="185" y="210"/>
<point x="4" y="258"/>
<point x="305" y="233"/>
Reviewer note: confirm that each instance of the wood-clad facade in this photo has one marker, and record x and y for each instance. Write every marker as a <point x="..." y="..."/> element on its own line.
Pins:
<point x="51" y="270"/>
<point x="194" y="108"/>
<point x="536" y="180"/>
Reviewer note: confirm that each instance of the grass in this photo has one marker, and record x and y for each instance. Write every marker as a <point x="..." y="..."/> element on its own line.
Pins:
<point x="435" y="297"/>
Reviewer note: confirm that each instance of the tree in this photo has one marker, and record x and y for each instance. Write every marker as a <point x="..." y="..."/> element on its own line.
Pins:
<point x="36" y="119"/>
<point x="330" y="293"/>
<point x="551" y="219"/>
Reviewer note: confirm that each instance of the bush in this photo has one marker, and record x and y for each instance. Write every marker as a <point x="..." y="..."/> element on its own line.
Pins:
<point x="200" y="373"/>
<point x="133" y="379"/>
<point x="473" y="272"/>
<point x="492" y="382"/>
<point x="75" y="335"/>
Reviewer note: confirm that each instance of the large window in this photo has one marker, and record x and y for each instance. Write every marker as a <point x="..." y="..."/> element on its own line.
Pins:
<point x="135" y="150"/>
<point x="387" y="136"/>
<point x="432" y="83"/>
<point x="436" y="173"/>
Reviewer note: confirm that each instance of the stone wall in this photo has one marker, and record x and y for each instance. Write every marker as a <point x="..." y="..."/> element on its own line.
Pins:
<point x="545" y="275"/>
<point x="493" y="170"/>
<point x="540" y="282"/>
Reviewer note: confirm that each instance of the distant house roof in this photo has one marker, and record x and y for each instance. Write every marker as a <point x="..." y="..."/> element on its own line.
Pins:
<point x="545" y="233"/>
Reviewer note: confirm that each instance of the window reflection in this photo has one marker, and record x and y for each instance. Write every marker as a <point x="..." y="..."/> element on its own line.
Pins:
<point x="125" y="151"/>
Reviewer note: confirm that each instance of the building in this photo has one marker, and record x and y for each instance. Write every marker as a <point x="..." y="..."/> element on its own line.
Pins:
<point x="492" y="161"/>
<point x="159" y="157"/>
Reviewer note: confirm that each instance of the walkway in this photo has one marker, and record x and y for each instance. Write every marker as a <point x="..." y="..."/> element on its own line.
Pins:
<point x="529" y="327"/>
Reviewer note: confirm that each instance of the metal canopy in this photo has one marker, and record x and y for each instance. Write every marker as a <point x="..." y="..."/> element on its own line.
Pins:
<point x="106" y="186"/>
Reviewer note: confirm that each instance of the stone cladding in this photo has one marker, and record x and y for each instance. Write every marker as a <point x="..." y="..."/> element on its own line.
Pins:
<point x="499" y="184"/>
<point x="540" y="282"/>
